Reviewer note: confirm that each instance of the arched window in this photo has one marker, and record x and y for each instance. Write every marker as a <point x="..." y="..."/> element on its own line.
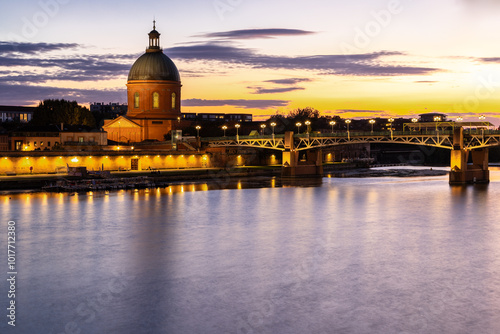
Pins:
<point x="156" y="100"/>
<point x="136" y="100"/>
<point x="173" y="100"/>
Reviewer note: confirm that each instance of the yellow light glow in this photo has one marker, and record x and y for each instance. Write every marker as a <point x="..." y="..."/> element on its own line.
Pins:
<point x="75" y="159"/>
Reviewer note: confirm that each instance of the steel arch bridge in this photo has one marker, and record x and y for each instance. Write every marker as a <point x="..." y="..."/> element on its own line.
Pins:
<point x="472" y="139"/>
<point x="475" y="139"/>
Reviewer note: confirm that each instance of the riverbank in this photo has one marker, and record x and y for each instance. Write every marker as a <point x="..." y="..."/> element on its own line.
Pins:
<point x="37" y="181"/>
<point x="165" y="176"/>
<point x="389" y="172"/>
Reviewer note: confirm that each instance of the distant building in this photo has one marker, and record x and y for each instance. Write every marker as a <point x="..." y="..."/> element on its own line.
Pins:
<point x="432" y="117"/>
<point x="16" y="113"/>
<point x="115" y="108"/>
<point x="4" y="140"/>
<point x="218" y="117"/>
<point x="31" y="137"/>
<point x="48" y="137"/>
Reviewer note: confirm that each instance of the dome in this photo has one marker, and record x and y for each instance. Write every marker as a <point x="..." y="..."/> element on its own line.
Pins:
<point x="154" y="66"/>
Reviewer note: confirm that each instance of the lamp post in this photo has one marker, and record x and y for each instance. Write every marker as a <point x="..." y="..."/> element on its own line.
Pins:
<point x="237" y="126"/>
<point x="348" y="121"/>
<point x="224" y="128"/>
<point x="263" y="126"/>
<point x="273" y="125"/>
<point x="482" y="118"/>
<point x="308" y="123"/>
<point x="437" y="119"/>
<point x="390" y="123"/>
<point x="298" y="125"/>
<point x="372" y="121"/>
<point x="332" y="123"/>
<point x="198" y="130"/>
<point x="460" y="118"/>
<point x="414" y="120"/>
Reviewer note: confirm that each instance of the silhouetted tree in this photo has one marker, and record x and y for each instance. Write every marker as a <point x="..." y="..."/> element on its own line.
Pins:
<point x="62" y="111"/>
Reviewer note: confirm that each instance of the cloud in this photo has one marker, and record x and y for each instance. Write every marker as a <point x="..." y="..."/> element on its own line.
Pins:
<point x="490" y="60"/>
<point x="68" y="68"/>
<point x="256" y="33"/>
<point x="247" y="104"/>
<point x="32" y="48"/>
<point x="262" y="90"/>
<point x="369" y="64"/>
<point x="357" y="111"/>
<point x="290" y="81"/>
<point x="25" y="94"/>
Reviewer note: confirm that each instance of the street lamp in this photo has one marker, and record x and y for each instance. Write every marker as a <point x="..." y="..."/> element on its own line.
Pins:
<point x="348" y="121"/>
<point x="298" y="125"/>
<point x="237" y="126"/>
<point x="372" y="121"/>
<point x="198" y="130"/>
<point x="482" y="117"/>
<point x="460" y="118"/>
<point x="273" y="125"/>
<point x="224" y="128"/>
<point x="263" y="126"/>
<point x="390" y="122"/>
<point x="332" y="123"/>
<point x="308" y="123"/>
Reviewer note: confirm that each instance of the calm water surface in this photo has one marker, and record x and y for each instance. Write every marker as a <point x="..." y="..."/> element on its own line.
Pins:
<point x="354" y="255"/>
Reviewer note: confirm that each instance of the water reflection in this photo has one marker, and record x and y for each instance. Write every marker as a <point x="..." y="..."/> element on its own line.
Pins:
<point x="264" y="255"/>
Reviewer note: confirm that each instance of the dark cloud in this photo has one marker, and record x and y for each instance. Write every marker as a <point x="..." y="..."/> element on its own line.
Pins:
<point x="247" y="104"/>
<point x="256" y="33"/>
<point x="490" y="60"/>
<point x="31" y="48"/>
<point x="26" y="94"/>
<point x="262" y="90"/>
<point x="369" y="64"/>
<point x="345" y="111"/>
<point x="71" y="68"/>
<point x="290" y="81"/>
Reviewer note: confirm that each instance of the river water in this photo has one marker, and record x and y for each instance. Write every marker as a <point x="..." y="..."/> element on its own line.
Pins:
<point x="338" y="255"/>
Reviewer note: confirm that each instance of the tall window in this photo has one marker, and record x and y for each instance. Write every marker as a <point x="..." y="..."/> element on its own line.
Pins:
<point x="156" y="100"/>
<point x="136" y="100"/>
<point x="173" y="100"/>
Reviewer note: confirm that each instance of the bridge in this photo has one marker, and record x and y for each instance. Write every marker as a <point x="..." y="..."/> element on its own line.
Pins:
<point x="461" y="139"/>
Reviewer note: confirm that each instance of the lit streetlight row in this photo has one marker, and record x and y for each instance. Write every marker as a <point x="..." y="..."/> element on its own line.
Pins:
<point x="332" y="124"/>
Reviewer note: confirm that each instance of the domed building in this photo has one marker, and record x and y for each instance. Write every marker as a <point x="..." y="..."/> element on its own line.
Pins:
<point x="154" y="97"/>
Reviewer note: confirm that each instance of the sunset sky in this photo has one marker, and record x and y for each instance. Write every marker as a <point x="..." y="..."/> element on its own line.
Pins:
<point x="353" y="59"/>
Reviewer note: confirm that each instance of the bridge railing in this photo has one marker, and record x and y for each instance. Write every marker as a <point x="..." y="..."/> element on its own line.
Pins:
<point x="336" y="134"/>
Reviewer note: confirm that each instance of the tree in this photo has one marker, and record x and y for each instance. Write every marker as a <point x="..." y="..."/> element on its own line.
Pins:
<point x="62" y="111"/>
<point x="304" y="113"/>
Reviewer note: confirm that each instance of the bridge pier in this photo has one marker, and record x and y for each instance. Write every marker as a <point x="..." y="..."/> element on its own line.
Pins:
<point x="461" y="172"/>
<point x="310" y="163"/>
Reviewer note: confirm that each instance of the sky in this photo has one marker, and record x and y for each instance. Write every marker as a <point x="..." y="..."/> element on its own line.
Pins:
<point x="355" y="59"/>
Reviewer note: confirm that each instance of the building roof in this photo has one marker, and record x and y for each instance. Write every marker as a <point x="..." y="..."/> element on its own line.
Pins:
<point x="154" y="66"/>
<point x="17" y="109"/>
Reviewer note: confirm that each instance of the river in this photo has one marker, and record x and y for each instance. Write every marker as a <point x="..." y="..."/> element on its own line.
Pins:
<point x="337" y="255"/>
